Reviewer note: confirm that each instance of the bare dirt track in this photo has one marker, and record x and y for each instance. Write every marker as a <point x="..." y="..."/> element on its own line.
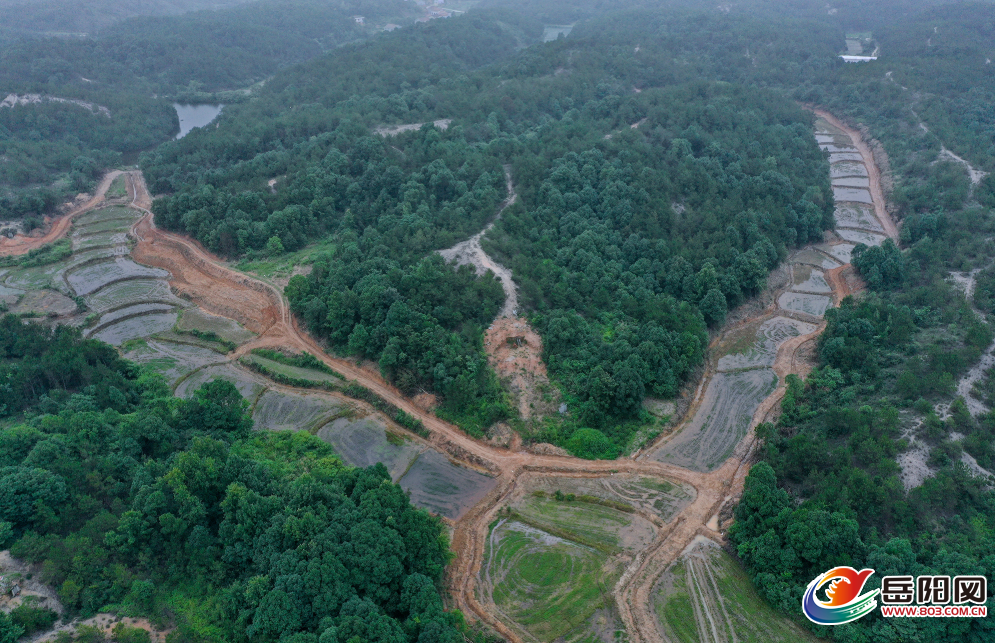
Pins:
<point x="260" y="307"/>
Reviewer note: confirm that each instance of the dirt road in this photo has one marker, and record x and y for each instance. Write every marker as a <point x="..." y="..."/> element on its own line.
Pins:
<point x="201" y="277"/>
<point x="21" y="244"/>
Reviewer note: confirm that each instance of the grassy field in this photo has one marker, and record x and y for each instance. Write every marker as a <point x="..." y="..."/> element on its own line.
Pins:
<point x="707" y="596"/>
<point x="550" y="586"/>
<point x="117" y="189"/>
<point x="590" y="524"/>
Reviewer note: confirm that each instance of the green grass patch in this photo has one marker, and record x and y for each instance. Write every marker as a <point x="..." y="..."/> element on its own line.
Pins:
<point x="290" y="375"/>
<point x="300" y="360"/>
<point x="549" y="586"/>
<point x="118" y="188"/>
<point x="590" y="524"/>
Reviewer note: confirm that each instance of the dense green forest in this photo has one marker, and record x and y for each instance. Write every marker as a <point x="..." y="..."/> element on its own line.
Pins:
<point x="686" y="213"/>
<point x="174" y="509"/>
<point x="123" y="77"/>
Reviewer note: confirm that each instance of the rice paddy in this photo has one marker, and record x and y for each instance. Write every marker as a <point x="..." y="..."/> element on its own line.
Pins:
<point x="859" y="236"/>
<point x="836" y="157"/>
<point x="840" y="251"/>
<point x="811" y="257"/>
<point x="365" y="442"/>
<point x="94" y="277"/>
<point x="282" y="411"/>
<point x="195" y="319"/>
<point x="809" y="279"/>
<point x="846" y="168"/>
<point x="550" y="587"/>
<point x="756" y="345"/>
<point x="721" y="421"/>
<point x="855" y="215"/>
<point x="136" y="327"/>
<point x="815" y="305"/>
<point x="858" y="195"/>
<point x="442" y="487"/>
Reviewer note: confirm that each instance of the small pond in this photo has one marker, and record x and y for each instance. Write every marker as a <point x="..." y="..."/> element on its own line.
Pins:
<point x="192" y="116"/>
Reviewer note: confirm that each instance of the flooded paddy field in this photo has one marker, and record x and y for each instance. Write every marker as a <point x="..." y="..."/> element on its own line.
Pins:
<point x="856" y="215"/>
<point x="277" y="410"/>
<point x="814" y="305"/>
<point x="756" y="345"/>
<point x="852" y="182"/>
<point x="840" y="251"/>
<point x="364" y="442"/>
<point x="805" y="278"/>
<point x="858" y="195"/>
<point x="859" y="236"/>
<point x="549" y="588"/>
<point x="847" y="169"/>
<point x="813" y="258"/>
<point x="437" y="484"/>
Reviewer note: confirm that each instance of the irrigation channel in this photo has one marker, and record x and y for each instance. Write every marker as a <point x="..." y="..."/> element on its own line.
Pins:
<point x="169" y="303"/>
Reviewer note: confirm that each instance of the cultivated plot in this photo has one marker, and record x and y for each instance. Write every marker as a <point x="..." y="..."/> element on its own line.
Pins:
<point x="366" y="441"/>
<point x="136" y="327"/>
<point x="709" y="438"/>
<point x="44" y="302"/>
<point x="661" y="498"/>
<point x="859" y="236"/>
<point x="836" y="157"/>
<point x="847" y="168"/>
<point x="172" y="360"/>
<point x="809" y="279"/>
<point x="132" y="310"/>
<point x="856" y="215"/>
<point x="707" y="596"/>
<point x="813" y="258"/>
<point x="104" y="240"/>
<point x="295" y="372"/>
<point x="852" y="182"/>
<point x="442" y="487"/>
<point x="551" y="588"/>
<point x="841" y="251"/>
<point x="756" y="345"/>
<point x="248" y="384"/>
<point x="195" y="319"/>
<point x="283" y="411"/>
<point x="858" y="195"/>
<point x="131" y="291"/>
<point x="93" y="277"/>
<point x="85" y="221"/>
<point x="815" y="305"/>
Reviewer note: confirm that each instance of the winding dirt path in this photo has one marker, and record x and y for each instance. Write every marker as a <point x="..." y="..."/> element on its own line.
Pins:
<point x="470" y="253"/>
<point x="202" y="278"/>
<point x="21" y="244"/>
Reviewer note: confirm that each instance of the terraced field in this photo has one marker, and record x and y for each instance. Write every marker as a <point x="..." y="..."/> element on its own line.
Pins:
<point x="722" y="420"/>
<point x="705" y="596"/>
<point x="443" y="487"/>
